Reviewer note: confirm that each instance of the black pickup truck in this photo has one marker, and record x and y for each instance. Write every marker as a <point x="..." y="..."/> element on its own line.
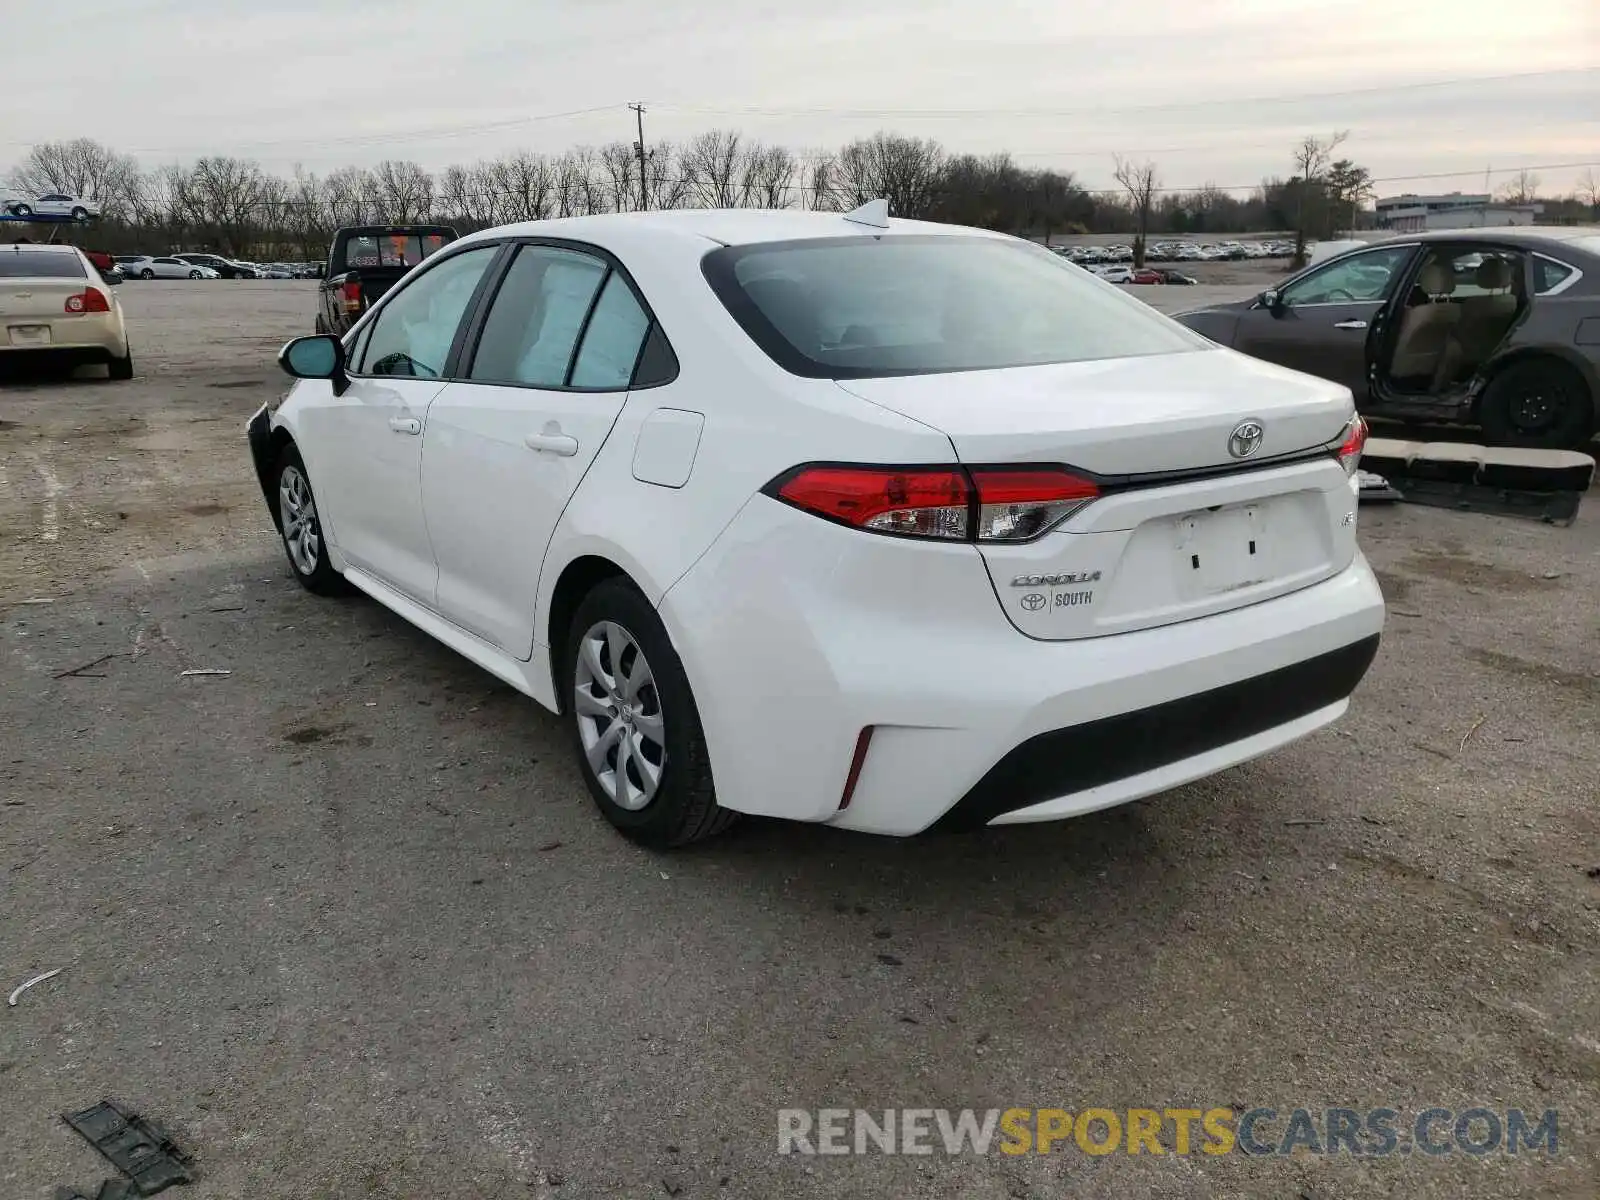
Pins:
<point x="365" y="262"/>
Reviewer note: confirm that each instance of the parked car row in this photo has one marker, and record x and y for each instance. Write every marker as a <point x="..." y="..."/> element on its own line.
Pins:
<point x="1125" y="274"/>
<point x="209" y="266"/>
<point x="1179" y="252"/>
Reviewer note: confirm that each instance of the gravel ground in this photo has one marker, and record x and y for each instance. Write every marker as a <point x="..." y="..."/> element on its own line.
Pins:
<point x="345" y="919"/>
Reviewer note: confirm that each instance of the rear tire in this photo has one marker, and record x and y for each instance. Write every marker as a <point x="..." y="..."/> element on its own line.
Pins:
<point x="301" y="527"/>
<point x="320" y="325"/>
<point x="121" y="368"/>
<point x="631" y="711"/>
<point x="80" y="214"/>
<point x="1538" y="403"/>
<point x="22" y="210"/>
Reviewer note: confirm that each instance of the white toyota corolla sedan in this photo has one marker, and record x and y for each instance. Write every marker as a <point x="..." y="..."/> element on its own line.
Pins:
<point x="869" y="522"/>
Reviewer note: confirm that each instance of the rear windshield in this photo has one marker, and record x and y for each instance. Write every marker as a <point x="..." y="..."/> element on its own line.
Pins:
<point x="855" y="307"/>
<point x="391" y="250"/>
<point x="39" y="264"/>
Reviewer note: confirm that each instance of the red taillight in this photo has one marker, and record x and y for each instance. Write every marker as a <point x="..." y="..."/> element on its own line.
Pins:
<point x="1017" y="505"/>
<point x="87" y="301"/>
<point x="915" y="502"/>
<point x="987" y="504"/>
<point x="1352" y="444"/>
<point x="351" y="290"/>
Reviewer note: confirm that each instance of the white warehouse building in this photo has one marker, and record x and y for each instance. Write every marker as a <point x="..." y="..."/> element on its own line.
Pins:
<point x="1454" y="210"/>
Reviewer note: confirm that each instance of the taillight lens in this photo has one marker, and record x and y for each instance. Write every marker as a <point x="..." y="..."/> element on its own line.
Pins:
<point x="87" y="301"/>
<point x="913" y="503"/>
<point x="352" y="295"/>
<point x="1351" y="443"/>
<point x="986" y="504"/>
<point x="1019" y="505"/>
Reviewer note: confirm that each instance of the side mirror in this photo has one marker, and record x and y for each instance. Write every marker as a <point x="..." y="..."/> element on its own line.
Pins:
<point x="320" y="356"/>
<point x="1272" y="301"/>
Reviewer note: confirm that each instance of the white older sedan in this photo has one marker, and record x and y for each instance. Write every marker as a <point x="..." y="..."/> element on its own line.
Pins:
<point x="873" y="523"/>
<point x="55" y="306"/>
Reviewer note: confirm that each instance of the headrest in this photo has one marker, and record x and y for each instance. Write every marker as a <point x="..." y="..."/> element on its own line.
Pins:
<point x="1493" y="273"/>
<point x="1437" y="279"/>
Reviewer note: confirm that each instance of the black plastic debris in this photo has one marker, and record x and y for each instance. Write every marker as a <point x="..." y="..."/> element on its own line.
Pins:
<point x="111" y="1189"/>
<point x="1375" y="489"/>
<point x="139" y="1149"/>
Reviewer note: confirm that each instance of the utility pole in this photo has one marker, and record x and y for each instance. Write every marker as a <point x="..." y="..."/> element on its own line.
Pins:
<point x="644" y="186"/>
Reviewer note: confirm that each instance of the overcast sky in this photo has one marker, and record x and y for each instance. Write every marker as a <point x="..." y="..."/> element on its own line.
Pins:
<point x="1211" y="90"/>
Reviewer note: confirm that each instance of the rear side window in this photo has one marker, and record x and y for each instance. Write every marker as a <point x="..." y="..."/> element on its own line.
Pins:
<point x="533" y="324"/>
<point x="1548" y="274"/>
<point x="856" y="307"/>
<point x="612" y="339"/>
<point x="39" y="264"/>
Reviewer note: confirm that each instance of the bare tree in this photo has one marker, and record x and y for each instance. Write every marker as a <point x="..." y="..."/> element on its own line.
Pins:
<point x="1588" y="191"/>
<point x="712" y="163"/>
<point x="819" y="186"/>
<point x="229" y="197"/>
<point x="1522" y="188"/>
<point x="620" y="163"/>
<point x="905" y="171"/>
<point x="1312" y="157"/>
<point x="664" y="177"/>
<point x="304" y="219"/>
<point x="768" y="177"/>
<point x="402" y="192"/>
<point x="346" y="195"/>
<point x="1139" y="181"/>
<point x="523" y="187"/>
<point x="82" y="167"/>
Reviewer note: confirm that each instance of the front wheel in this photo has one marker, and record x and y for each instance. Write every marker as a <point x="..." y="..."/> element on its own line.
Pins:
<point x="301" y="527"/>
<point x="147" y="273"/>
<point x="635" y="724"/>
<point x="80" y="214"/>
<point x="1538" y="403"/>
<point x="194" y="275"/>
<point x="22" y="210"/>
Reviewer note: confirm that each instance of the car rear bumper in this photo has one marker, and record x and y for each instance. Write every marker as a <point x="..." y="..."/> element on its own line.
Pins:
<point x="798" y="635"/>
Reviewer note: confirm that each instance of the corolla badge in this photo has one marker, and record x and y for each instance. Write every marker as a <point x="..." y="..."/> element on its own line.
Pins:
<point x="1245" y="439"/>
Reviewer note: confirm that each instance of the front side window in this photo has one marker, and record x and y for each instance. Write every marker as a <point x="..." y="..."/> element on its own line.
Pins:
<point x="1365" y="276"/>
<point x="413" y="333"/>
<point x="857" y="307"/>
<point x="533" y="324"/>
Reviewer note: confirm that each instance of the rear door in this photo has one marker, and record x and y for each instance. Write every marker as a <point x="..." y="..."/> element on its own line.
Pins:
<point x="509" y="442"/>
<point x="1324" y="317"/>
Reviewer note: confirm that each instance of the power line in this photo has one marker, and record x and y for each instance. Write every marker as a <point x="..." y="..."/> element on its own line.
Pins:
<point x="1100" y="111"/>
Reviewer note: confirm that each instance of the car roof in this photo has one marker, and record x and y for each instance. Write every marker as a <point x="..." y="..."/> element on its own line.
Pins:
<point x="1507" y="233"/>
<point x="52" y="247"/>
<point x="724" y="226"/>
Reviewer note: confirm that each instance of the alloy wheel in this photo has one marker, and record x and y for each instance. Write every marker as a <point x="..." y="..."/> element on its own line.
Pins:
<point x="619" y="715"/>
<point x="302" y="533"/>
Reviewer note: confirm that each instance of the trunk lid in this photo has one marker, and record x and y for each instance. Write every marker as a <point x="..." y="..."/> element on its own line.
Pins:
<point x="36" y="299"/>
<point x="1151" y="550"/>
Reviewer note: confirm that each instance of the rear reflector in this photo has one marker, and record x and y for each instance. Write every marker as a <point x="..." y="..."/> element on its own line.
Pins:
<point x="90" y="300"/>
<point x="985" y="504"/>
<point x="857" y="761"/>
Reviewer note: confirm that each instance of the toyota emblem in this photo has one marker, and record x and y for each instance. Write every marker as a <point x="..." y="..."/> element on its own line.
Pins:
<point x="1034" y="601"/>
<point x="1245" y="439"/>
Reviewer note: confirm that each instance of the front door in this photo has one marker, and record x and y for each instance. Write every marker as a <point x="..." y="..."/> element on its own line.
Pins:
<point x="1321" y="323"/>
<point x="368" y="442"/>
<point x="507" y="445"/>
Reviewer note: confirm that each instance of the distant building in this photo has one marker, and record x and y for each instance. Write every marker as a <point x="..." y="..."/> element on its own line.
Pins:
<point x="1454" y="210"/>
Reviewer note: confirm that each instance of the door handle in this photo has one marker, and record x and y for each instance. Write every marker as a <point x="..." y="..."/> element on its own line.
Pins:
<point x="552" y="443"/>
<point x="405" y="424"/>
<point x="1356" y="324"/>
